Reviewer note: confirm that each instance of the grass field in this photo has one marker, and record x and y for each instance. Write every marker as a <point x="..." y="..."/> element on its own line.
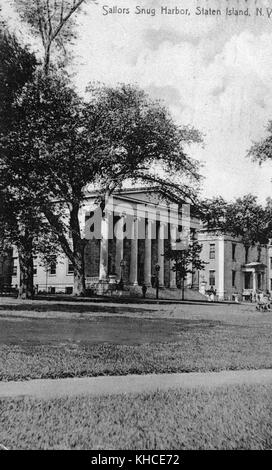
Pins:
<point x="237" y="417"/>
<point x="42" y="340"/>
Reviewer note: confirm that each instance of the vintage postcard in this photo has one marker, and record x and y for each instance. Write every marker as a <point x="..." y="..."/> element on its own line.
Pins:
<point x="135" y="227"/>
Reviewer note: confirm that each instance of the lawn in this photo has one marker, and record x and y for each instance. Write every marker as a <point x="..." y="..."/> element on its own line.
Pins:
<point x="47" y="340"/>
<point x="236" y="417"/>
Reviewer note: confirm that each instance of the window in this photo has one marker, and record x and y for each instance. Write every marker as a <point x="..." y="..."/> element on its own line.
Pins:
<point x="68" y="290"/>
<point x="70" y="268"/>
<point x="53" y="269"/>
<point x="52" y="290"/>
<point x="212" y="251"/>
<point x="270" y="284"/>
<point x="246" y="254"/>
<point x="233" y="278"/>
<point x="271" y="263"/>
<point x="212" y="278"/>
<point x="233" y="251"/>
<point x="248" y="280"/>
<point x="35" y="270"/>
<point x="259" y="281"/>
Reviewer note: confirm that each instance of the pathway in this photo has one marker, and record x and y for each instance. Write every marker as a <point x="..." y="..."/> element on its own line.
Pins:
<point x="48" y="388"/>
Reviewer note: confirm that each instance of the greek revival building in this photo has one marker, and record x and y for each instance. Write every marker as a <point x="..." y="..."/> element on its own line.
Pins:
<point x="126" y="243"/>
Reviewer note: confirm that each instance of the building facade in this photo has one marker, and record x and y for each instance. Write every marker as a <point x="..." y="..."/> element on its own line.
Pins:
<point x="232" y="269"/>
<point x="129" y="240"/>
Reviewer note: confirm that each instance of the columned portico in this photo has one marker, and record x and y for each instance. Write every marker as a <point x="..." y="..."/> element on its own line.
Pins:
<point x="142" y="228"/>
<point x="254" y="278"/>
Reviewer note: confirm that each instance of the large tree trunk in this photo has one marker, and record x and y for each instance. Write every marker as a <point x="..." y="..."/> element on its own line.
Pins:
<point x="74" y="253"/>
<point x="26" y="288"/>
<point x="47" y="53"/>
<point x="78" y="252"/>
<point x="79" y="283"/>
<point x="79" y="271"/>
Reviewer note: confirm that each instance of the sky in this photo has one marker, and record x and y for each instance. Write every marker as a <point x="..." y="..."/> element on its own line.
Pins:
<point x="212" y="72"/>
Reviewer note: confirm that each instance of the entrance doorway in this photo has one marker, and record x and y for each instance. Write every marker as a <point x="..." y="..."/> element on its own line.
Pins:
<point x="248" y="280"/>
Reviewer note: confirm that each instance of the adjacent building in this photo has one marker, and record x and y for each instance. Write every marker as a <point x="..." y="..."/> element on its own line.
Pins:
<point x="232" y="269"/>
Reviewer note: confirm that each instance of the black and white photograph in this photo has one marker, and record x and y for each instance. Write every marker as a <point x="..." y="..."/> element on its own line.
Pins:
<point x="136" y="229"/>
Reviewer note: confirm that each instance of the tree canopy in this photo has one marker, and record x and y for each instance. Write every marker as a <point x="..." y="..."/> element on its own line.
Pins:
<point x="60" y="144"/>
<point x="262" y="151"/>
<point x="244" y="218"/>
<point x="21" y="224"/>
<point x="18" y="65"/>
<point x="53" y="21"/>
<point x="186" y="260"/>
<point x="143" y="142"/>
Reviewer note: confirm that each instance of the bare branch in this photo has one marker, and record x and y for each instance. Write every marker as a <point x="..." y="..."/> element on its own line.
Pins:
<point x="49" y="18"/>
<point x="57" y="225"/>
<point x="65" y="18"/>
<point x="61" y="11"/>
<point x="41" y="23"/>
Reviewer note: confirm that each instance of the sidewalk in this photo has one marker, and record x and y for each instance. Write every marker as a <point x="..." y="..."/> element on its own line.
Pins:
<point x="49" y="388"/>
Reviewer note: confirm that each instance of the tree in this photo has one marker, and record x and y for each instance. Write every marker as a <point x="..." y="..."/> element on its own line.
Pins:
<point x="62" y="144"/>
<point x="143" y="142"/>
<point x="262" y="151"/>
<point x="16" y="217"/>
<point x="17" y="67"/>
<point x="53" y="21"/>
<point x="185" y="261"/>
<point x="43" y="112"/>
<point x="243" y="218"/>
<point x="22" y="226"/>
<point x="213" y="212"/>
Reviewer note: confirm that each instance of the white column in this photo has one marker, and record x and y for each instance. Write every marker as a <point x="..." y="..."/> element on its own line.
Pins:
<point x="221" y="266"/>
<point x="133" y="275"/>
<point x="173" y="281"/>
<point x="162" y="237"/>
<point x="254" y="282"/>
<point x="173" y="276"/>
<point x="104" y="247"/>
<point x="147" y="261"/>
<point x="119" y="245"/>
<point x="106" y="233"/>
